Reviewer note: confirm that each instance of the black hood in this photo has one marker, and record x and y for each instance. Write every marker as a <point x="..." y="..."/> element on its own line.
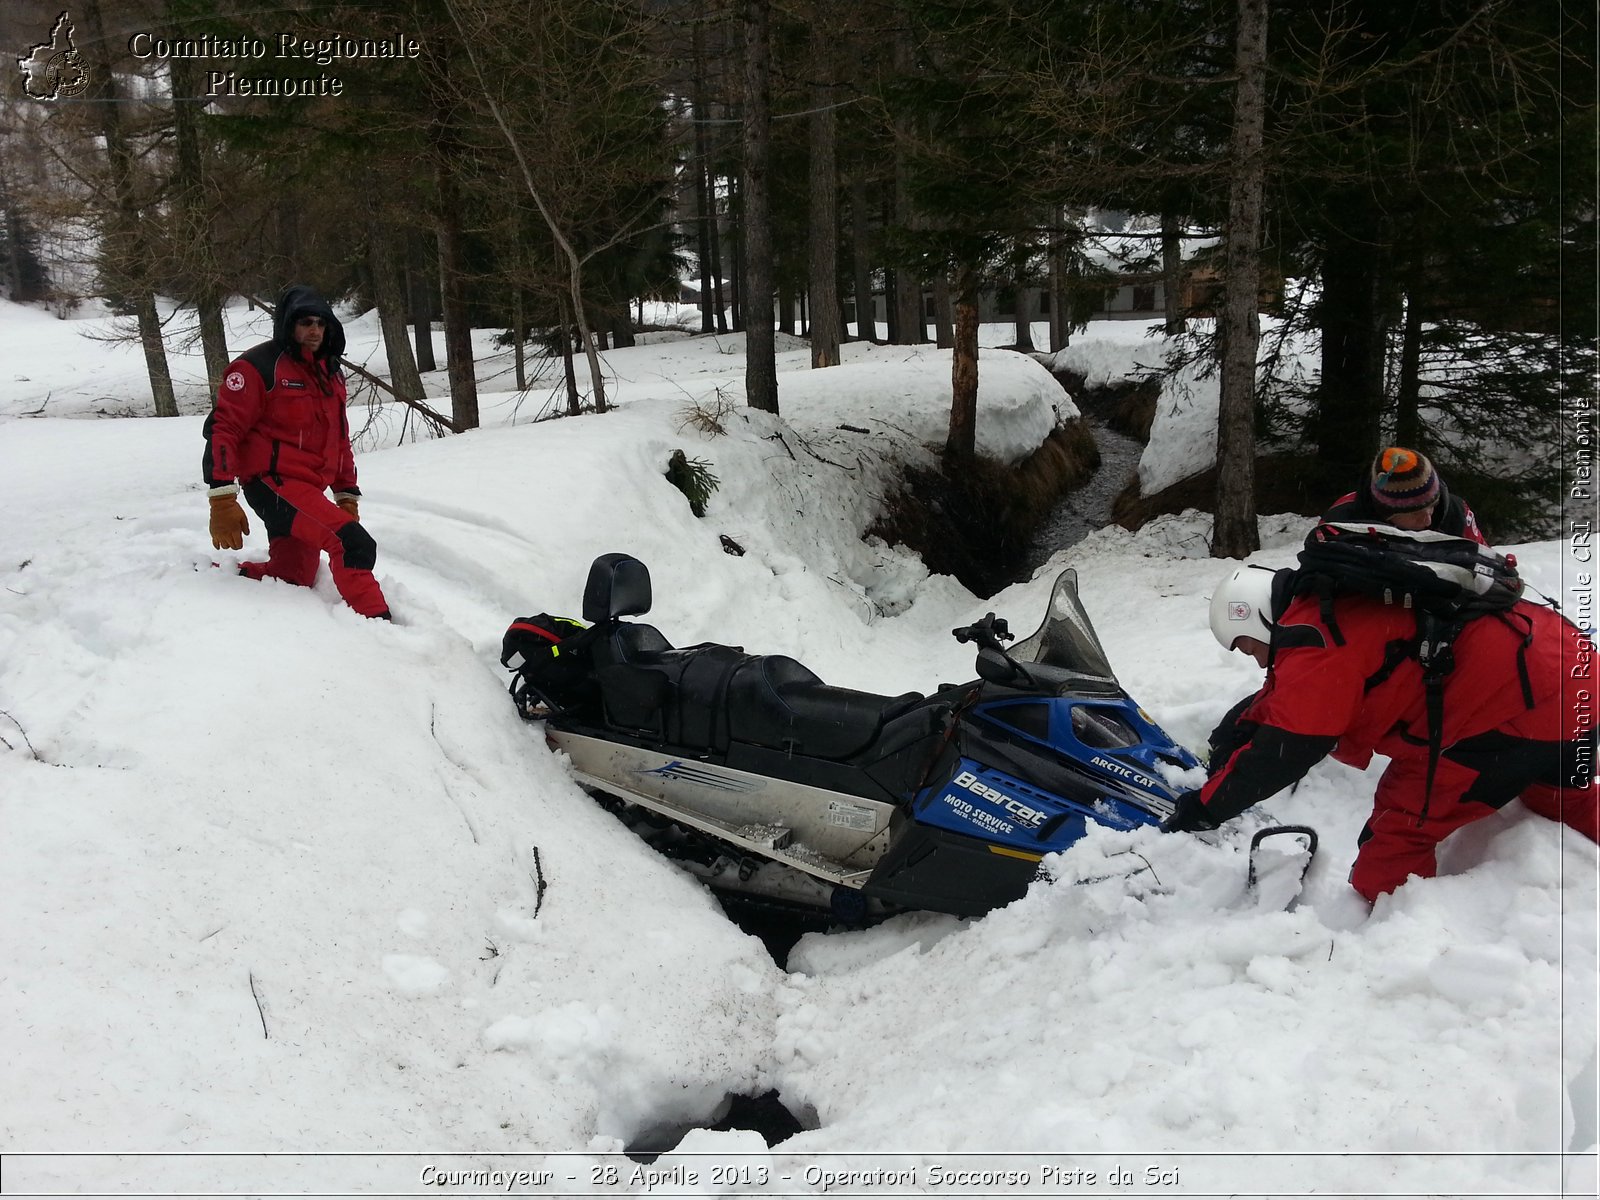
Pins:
<point x="298" y="301"/>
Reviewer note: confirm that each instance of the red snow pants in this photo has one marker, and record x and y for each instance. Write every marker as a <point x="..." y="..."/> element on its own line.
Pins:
<point x="1474" y="778"/>
<point x="302" y="524"/>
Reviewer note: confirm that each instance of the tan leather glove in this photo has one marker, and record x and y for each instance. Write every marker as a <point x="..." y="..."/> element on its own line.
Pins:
<point x="228" y="522"/>
<point x="350" y="503"/>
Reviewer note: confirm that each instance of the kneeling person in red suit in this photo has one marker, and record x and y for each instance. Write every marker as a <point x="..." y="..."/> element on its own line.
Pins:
<point x="1514" y="721"/>
<point x="280" y="433"/>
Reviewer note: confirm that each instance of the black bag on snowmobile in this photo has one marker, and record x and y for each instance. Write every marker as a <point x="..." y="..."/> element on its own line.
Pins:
<point x="550" y="661"/>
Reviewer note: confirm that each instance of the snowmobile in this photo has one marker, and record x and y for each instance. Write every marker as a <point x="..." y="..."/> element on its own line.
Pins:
<point x="768" y="783"/>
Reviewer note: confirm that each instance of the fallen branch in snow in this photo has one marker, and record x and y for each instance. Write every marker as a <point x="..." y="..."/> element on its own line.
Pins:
<point x="24" y="734"/>
<point x="539" y="884"/>
<point x="1147" y="865"/>
<point x="431" y="414"/>
<point x="433" y="716"/>
<point x="261" y="1012"/>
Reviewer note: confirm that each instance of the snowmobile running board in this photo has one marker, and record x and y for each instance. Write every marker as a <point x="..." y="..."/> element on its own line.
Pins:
<point x="770" y="841"/>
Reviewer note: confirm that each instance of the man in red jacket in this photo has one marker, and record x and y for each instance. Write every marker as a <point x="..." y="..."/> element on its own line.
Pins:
<point x="1515" y="721"/>
<point x="279" y="431"/>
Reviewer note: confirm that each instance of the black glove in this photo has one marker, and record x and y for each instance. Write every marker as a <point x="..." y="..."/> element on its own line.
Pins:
<point x="1231" y="733"/>
<point x="1189" y="817"/>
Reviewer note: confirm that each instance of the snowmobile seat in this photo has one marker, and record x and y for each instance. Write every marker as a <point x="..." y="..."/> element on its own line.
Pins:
<point x="633" y="691"/>
<point x="629" y="643"/>
<point x="700" y="699"/>
<point x="776" y="702"/>
<point x="680" y="695"/>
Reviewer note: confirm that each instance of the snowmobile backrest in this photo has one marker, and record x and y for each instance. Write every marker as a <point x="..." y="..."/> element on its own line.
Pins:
<point x="618" y="586"/>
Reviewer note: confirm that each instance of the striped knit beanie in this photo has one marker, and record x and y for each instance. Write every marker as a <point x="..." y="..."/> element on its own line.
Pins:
<point x="1403" y="480"/>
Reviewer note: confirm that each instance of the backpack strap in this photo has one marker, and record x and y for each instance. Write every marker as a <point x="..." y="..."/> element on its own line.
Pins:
<point x="1523" y="677"/>
<point x="1325" y="591"/>
<point x="1395" y="653"/>
<point x="1436" y="639"/>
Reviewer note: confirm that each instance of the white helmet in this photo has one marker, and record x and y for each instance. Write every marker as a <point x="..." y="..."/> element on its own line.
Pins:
<point x="1242" y="606"/>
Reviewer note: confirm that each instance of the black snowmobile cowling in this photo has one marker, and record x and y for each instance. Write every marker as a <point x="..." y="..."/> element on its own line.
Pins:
<point x="767" y="782"/>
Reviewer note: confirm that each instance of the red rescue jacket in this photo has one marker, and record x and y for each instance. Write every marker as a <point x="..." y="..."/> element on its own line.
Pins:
<point x="1321" y="689"/>
<point x="1514" y="673"/>
<point x="281" y="414"/>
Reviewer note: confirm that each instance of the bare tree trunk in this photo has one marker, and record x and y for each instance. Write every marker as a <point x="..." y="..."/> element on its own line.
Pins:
<point x="761" y="368"/>
<point x="381" y="263"/>
<point x="128" y="255"/>
<point x="827" y="325"/>
<point x="910" y="327"/>
<point x="1235" y="533"/>
<point x="737" y="281"/>
<point x="575" y="404"/>
<point x="861" y="254"/>
<point x="891" y="310"/>
<point x="944" y="328"/>
<point x="420" y="296"/>
<point x="519" y="337"/>
<point x="453" y="297"/>
<point x="522" y="269"/>
<point x="1172" y="274"/>
<point x="961" y="445"/>
<point x="786" y="308"/>
<point x="703" y="193"/>
<point x="1060" y="306"/>
<point x="189" y="184"/>
<point x="1024" y="317"/>
<point x="719" y="299"/>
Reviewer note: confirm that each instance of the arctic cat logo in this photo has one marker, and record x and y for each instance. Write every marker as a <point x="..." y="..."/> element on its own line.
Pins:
<point x="1031" y="817"/>
<point x="687" y="773"/>
<point x="1123" y="772"/>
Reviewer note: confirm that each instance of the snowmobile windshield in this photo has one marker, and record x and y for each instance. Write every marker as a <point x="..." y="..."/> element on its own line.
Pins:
<point x="1067" y="640"/>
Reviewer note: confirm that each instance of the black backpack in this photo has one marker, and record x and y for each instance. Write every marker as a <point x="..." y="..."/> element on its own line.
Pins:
<point x="1447" y="580"/>
<point x="1441" y="576"/>
<point x="550" y="661"/>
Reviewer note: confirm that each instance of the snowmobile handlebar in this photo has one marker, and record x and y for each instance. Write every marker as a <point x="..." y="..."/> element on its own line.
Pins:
<point x="990" y="631"/>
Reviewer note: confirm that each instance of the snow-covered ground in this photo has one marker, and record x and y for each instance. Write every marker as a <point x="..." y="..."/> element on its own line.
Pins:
<point x="278" y="880"/>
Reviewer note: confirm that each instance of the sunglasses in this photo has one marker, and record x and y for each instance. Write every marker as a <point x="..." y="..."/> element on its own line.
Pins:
<point x="308" y="322"/>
